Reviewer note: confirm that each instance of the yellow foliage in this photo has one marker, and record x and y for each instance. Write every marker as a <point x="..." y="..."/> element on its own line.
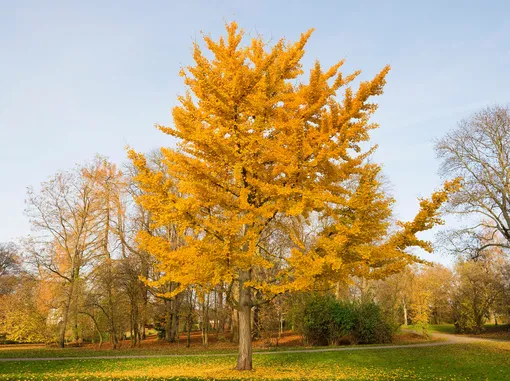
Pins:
<point x="258" y="148"/>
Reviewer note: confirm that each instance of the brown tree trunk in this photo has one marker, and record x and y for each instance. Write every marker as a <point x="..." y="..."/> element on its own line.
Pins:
<point x="244" y="359"/>
<point x="234" y="326"/>
<point x="75" y="331"/>
<point x="96" y="326"/>
<point x="168" y="320"/>
<point x="136" y="326"/>
<point x="145" y="294"/>
<point x="62" y="333"/>
<point x="113" y="330"/>
<point x="205" y="321"/>
<point x="256" y="323"/>
<point x="221" y="314"/>
<point x="280" y="325"/>
<point x="174" y="329"/>
<point x="131" y="329"/>
<point x="189" y="323"/>
<point x="404" y="305"/>
<point x="67" y="307"/>
<point x="216" y="316"/>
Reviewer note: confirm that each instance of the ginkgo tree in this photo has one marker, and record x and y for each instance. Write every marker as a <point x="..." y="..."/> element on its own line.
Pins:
<point x="258" y="150"/>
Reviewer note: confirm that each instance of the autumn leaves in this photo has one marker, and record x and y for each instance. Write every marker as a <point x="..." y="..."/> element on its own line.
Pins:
<point x="267" y="160"/>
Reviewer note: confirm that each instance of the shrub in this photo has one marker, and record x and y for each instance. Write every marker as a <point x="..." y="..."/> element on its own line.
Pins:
<point x="344" y="320"/>
<point x="371" y="327"/>
<point x="317" y="320"/>
<point x="324" y="321"/>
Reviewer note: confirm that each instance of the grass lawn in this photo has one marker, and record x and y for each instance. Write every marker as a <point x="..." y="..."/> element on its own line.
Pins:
<point x="160" y="347"/>
<point x="491" y="331"/>
<point x="486" y="361"/>
<point x="441" y="328"/>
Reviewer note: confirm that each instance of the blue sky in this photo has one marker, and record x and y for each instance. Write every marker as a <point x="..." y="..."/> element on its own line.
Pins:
<point x="84" y="77"/>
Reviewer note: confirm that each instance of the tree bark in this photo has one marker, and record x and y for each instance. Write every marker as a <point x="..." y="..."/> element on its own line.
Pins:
<point x="337" y="291"/>
<point x="96" y="326"/>
<point x="63" y="327"/>
<point x="205" y="321"/>
<point x="174" y="329"/>
<point x="189" y="323"/>
<point x="404" y="305"/>
<point x="256" y="323"/>
<point x="244" y="359"/>
<point x="221" y="314"/>
<point x="234" y="326"/>
<point x="168" y="319"/>
<point x="67" y="307"/>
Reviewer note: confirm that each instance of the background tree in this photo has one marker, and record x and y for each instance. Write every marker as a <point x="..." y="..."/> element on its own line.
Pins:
<point x="64" y="219"/>
<point x="258" y="148"/>
<point x="439" y="281"/>
<point x="109" y="187"/>
<point x="394" y="295"/>
<point x="10" y="276"/>
<point x="480" y="284"/>
<point x="24" y="312"/>
<point x="9" y="267"/>
<point x="479" y="152"/>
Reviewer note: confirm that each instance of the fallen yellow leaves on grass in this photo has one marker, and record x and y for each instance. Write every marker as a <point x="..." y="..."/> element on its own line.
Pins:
<point x="227" y="372"/>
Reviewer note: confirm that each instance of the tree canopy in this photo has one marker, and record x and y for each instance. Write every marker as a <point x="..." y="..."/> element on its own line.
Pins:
<point x="260" y="148"/>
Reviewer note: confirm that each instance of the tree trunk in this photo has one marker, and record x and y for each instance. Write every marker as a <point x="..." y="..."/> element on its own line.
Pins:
<point x="144" y="311"/>
<point x="174" y="332"/>
<point x="131" y="329"/>
<point x="96" y="326"/>
<point x="136" y="332"/>
<point x="100" y="337"/>
<point x="62" y="333"/>
<point x="67" y="306"/>
<point x="205" y="321"/>
<point x="114" y="338"/>
<point x="168" y="320"/>
<point x="404" y="305"/>
<point x="189" y="323"/>
<point x="244" y="359"/>
<point x="216" y="316"/>
<point x="280" y="326"/>
<point x="174" y="329"/>
<point x="337" y="291"/>
<point x="221" y="314"/>
<point x="256" y="323"/>
<point x="76" y="333"/>
<point x="234" y="326"/>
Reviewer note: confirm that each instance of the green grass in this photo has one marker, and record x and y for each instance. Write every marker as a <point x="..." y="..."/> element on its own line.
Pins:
<point x="52" y="352"/>
<point x="487" y="361"/>
<point x="80" y="352"/>
<point x="450" y="328"/>
<point x="44" y="352"/>
<point x="441" y="328"/>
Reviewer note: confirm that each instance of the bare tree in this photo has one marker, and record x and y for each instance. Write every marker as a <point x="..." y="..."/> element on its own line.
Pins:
<point x="479" y="152"/>
<point x="109" y="188"/>
<point x="9" y="268"/>
<point x="8" y="258"/>
<point x="479" y="286"/>
<point x="64" y="220"/>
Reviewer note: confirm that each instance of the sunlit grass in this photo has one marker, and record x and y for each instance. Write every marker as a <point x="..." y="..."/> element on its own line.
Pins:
<point x="487" y="361"/>
<point x="163" y="348"/>
<point x="441" y="328"/>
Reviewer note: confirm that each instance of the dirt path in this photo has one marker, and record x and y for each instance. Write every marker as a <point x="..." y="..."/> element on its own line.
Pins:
<point x="459" y="339"/>
<point x="448" y="340"/>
